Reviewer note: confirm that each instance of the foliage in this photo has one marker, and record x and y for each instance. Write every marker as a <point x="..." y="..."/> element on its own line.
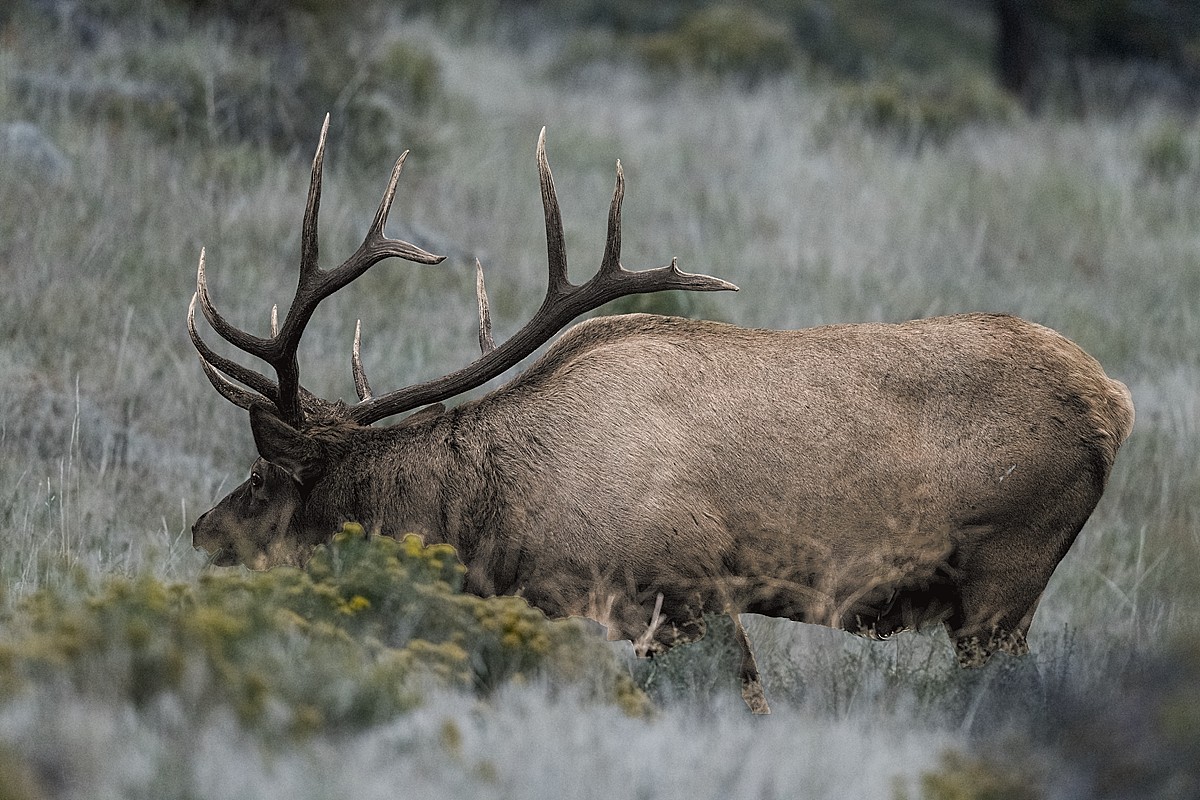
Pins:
<point x="265" y="73"/>
<point x="347" y="642"/>
<point x="1163" y="30"/>
<point x="17" y="779"/>
<point x="1170" y="150"/>
<point x="671" y="304"/>
<point x="273" y="11"/>
<point x="963" y="777"/>
<point x="927" y="112"/>
<point x="701" y="671"/>
<point x="1099" y="55"/>
<point x="1140" y="737"/>
<point x="724" y="41"/>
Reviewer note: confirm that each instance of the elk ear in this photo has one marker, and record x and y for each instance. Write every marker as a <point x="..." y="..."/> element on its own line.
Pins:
<point x="286" y="447"/>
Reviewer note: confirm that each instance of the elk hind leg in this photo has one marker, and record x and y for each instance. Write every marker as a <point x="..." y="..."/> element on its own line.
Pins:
<point x="999" y="590"/>
<point x="995" y="618"/>
<point x="1003" y="690"/>
<point x="752" y="689"/>
<point x="1001" y="579"/>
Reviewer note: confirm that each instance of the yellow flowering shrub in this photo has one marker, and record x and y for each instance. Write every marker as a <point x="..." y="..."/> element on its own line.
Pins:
<point x="353" y="639"/>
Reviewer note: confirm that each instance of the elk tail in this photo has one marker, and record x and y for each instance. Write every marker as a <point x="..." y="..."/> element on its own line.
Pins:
<point x="1112" y="420"/>
<point x="1120" y="411"/>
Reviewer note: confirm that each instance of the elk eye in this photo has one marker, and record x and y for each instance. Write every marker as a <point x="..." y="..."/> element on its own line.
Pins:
<point x="256" y="480"/>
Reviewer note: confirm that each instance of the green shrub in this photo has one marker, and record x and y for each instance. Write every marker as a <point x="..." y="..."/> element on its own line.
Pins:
<point x="18" y="781"/>
<point x="964" y="778"/>
<point x="698" y="671"/>
<point x="353" y="639"/>
<point x="409" y="70"/>
<point x="927" y="112"/>
<point x="725" y="41"/>
<point x="241" y="71"/>
<point x="1169" y="152"/>
<point x="671" y="304"/>
<point x="245" y="12"/>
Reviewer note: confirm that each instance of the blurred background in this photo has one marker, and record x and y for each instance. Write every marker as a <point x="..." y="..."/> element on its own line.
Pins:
<point x="839" y="160"/>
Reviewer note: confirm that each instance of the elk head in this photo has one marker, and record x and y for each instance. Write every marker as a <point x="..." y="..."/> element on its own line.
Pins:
<point x="298" y="434"/>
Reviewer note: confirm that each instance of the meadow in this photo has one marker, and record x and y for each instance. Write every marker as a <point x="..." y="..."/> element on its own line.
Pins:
<point x="129" y="669"/>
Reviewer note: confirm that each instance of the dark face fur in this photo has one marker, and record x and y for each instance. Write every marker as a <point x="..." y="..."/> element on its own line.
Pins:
<point x="300" y="491"/>
<point x="257" y="523"/>
<point x="261" y="522"/>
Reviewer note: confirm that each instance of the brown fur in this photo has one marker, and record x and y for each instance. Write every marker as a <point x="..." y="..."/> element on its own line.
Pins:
<point x="868" y="477"/>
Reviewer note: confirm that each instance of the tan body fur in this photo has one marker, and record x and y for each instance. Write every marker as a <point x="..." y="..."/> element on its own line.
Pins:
<point x="868" y="477"/>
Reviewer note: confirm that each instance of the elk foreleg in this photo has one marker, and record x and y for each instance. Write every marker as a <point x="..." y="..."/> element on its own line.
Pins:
<point x="752" y="690"/>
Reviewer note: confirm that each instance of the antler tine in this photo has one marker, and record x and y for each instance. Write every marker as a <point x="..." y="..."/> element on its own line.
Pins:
<point x="312" y="208"/>
<point x="228" y="389"/>
<point x="564" y="302"/>
<point x="612" y="243"/>
<point x="486" y="343"/>
<point x="556" y="249"/>
<point x="612" y="275"/>
<point x="313" y="285"/>
<point x="214" y="366"/>
<point x="217" y="367"/>
<point x="261" y="384"/>
<point x="361" y="385"/>
<point x="254" y="345"/>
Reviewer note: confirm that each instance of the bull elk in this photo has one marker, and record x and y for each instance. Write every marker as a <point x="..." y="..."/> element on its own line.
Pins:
<point x="647" y="470"/>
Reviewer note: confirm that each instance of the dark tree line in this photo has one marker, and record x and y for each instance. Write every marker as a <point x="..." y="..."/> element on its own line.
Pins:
<point x="1046" y="47"/>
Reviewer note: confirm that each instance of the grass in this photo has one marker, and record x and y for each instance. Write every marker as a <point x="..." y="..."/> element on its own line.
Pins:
<point x="111" y="442"/>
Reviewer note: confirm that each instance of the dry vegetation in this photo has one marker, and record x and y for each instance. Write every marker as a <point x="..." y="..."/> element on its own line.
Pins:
<point x="824" y="201"/>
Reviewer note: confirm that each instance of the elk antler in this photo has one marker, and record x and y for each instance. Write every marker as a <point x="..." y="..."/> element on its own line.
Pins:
<point x="314" y="285"/>
<point x="564" y="302"/>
